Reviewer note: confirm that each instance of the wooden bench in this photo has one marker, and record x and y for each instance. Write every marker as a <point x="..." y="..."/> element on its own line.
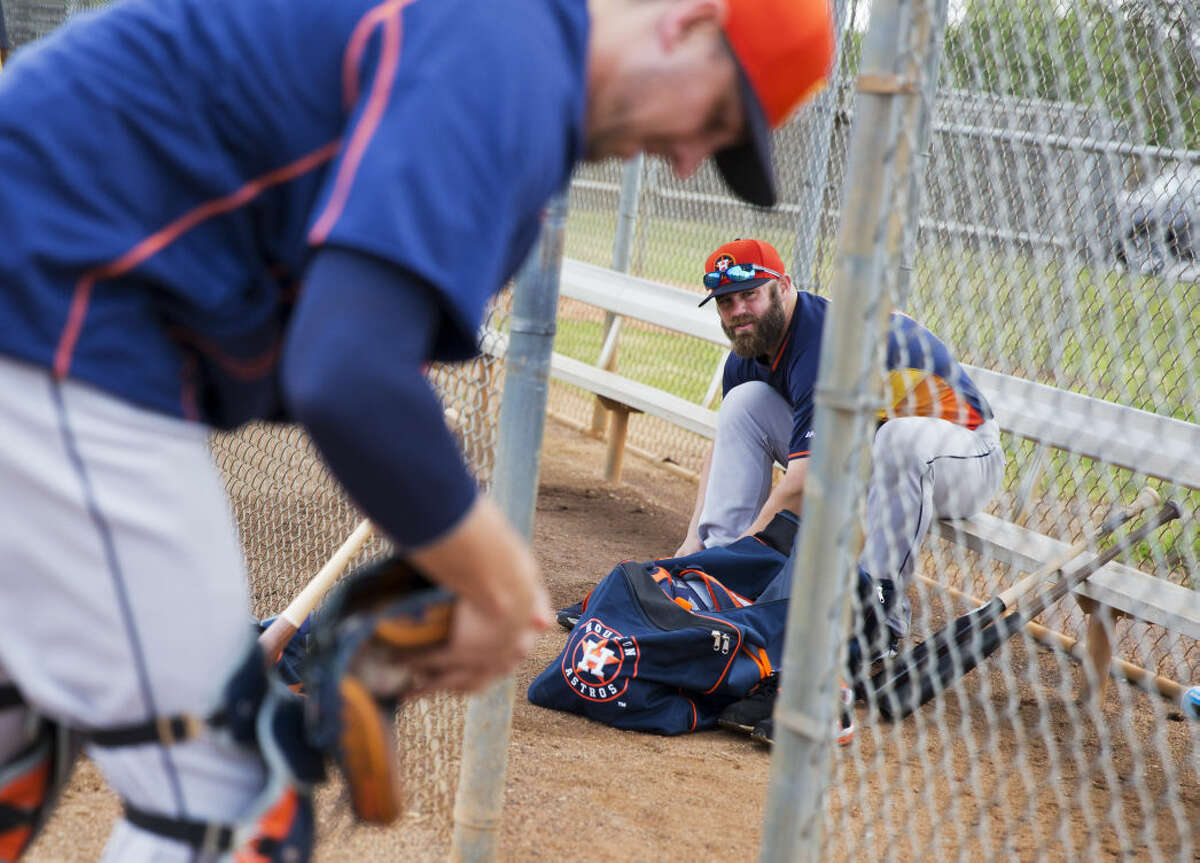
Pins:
<point x="1146" y="443"/>
<point x="630" y="297"/>
<point x="1149" y="444"/>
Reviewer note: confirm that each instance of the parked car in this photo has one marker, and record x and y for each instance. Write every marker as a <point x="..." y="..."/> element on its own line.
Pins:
<point x="1158" y="224"/>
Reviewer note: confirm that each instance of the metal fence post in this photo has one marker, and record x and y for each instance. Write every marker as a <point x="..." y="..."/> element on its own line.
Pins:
<point x="817" y="120"/>
<point x="627" y="212"/>
<point x="929" y="29"/>
<point x="478" y="803"/>
<point x="845" y="406"/>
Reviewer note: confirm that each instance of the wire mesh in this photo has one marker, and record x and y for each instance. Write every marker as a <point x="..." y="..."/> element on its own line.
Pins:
<point x="292" y="515"/>
<point x="1057" y="244"/>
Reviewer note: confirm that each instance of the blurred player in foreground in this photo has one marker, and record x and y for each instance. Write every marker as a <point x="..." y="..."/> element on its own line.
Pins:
<point x="217" y="211"/>
<point x="936" y="451"/>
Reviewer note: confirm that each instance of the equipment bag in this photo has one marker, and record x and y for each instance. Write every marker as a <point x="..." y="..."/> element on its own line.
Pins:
<point x="665" y="646"/>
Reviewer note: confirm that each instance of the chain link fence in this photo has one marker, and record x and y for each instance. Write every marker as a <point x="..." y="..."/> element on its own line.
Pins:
<point x="292" y="515"/>
<point x="1059" y="243"/>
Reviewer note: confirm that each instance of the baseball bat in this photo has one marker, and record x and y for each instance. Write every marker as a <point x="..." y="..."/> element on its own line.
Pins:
<point x="962" y="631"/>
<point x="904" y="693"/>
<point x="276" y="636"/>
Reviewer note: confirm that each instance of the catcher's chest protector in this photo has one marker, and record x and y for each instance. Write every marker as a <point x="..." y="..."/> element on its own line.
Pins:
<point x="665" y="646"/>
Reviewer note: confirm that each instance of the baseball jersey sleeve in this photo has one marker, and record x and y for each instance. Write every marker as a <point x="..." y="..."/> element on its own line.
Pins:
<point x="800" y="444"/>
<point x="379" y="426"/>
<point x="459" y="135"/>
<point x="735" y="373"/>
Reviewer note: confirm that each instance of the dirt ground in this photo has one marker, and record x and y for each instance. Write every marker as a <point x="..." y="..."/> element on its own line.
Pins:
<point x="1006" y="767"/>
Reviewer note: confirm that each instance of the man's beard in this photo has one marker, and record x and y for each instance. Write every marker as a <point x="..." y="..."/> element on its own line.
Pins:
<point x="764" y="336"/>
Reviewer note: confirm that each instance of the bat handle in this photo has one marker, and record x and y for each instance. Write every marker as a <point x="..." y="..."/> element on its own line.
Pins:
<point x="280" y="632"/>
<point x="1146" y="499"/>
<point x="305" y="601"/>
<point x="275" y="638"/>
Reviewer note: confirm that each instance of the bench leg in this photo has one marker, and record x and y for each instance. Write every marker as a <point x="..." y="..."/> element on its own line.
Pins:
<point x="617" y="428"/>
<point x="1098" y="649"/>
<point x="599" y="415"/>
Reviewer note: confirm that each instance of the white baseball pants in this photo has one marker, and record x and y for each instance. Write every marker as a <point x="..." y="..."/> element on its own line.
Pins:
<point x="921" y="468"/>
<point x="124" y="593"/>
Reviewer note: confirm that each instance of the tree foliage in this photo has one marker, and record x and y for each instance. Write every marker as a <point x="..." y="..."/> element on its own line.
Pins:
<point x="1138" y="59"/>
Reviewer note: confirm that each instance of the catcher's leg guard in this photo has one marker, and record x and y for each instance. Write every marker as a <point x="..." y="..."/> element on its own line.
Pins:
<point x="379" y="615"/>
<point x="31" y="779"/>
<point x="260" y="712"/>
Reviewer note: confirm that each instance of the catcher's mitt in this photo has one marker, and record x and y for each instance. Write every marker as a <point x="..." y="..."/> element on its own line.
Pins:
<point x="356" y="678"/>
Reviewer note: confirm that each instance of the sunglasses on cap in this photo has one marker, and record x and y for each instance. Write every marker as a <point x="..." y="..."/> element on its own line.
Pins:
<point x="737" y="273"/>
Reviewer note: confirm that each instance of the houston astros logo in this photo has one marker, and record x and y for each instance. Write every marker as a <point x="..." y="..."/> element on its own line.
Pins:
<point x="725" y="262"/>
<point x="599" y="662"/>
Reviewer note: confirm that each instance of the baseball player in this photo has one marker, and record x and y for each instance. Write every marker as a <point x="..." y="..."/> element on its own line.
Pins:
<point x="217" y="211"/>
<point x="936" y="452"/>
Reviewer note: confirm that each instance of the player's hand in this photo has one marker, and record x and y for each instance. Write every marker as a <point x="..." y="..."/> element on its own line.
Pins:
<point x="501" y="606"/>
<point x="691" y="545"/>
<point x="481" y="648"/>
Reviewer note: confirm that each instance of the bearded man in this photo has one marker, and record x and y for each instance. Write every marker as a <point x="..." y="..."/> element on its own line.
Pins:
<point x="936" y="450"/>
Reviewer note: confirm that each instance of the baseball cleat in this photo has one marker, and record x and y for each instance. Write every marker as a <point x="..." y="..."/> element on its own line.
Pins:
<point x="569" y="616"/>
<point x="764" y="732"/>
<point x="843" y="730"/>
<point x="745" y="715"/>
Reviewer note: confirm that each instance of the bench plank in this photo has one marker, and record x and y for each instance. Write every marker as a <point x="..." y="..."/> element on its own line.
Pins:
<point x="642" y="299"/>
<point x="1116" y="585"/>
<point x="639" y="396"/>
<point x="1153" y="445"/>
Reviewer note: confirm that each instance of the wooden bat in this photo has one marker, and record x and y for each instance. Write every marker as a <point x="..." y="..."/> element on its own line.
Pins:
<point x="914" y="685"/>
<point x="963" y="629"/>
<point x="276" y="637"/>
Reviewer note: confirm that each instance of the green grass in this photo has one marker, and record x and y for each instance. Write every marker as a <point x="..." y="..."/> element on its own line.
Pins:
<point x="1125" y="338"/>
<point x="668" y="361"/>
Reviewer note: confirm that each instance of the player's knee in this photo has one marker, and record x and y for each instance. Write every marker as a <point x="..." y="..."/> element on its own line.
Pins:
<point x="899" y="447"/>
<point x="752" y="404"/>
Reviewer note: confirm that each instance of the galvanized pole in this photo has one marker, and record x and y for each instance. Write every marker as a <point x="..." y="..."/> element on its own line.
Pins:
<point x="930" y="30"/>
<point x="627" y="213"/>
<point x="846" y="403"/>
<point x="478" y="804"/>
<point x="816" y="126"/>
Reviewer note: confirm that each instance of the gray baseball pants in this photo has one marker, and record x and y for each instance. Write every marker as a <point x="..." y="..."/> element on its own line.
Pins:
<point x="125" y="595"/>
<point x="921" y="468"/>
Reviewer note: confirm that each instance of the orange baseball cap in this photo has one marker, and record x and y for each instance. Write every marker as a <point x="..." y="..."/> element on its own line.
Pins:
<point x="784" y="51"/>
<point x="759" y="254"/>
